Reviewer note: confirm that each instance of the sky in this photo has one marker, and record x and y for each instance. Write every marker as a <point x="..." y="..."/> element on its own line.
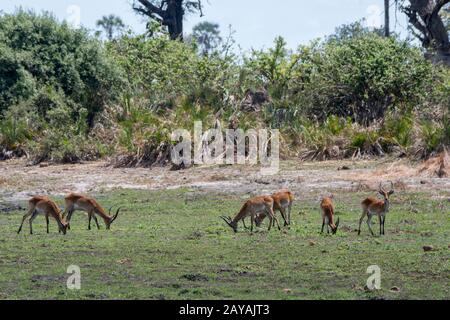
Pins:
<point x="256" y="23"/>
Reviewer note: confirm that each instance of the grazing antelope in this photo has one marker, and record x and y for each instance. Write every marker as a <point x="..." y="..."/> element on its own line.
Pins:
<point x="80" y="202"/>
<point x="328" y="215"/>
<point x="373" y="206"/>
<point x="252" y="207"/>
<point x="282" y="201"/>
<point x="43" y="205"/>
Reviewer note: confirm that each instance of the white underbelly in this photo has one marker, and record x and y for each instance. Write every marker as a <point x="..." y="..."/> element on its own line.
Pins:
<point x="284" y="204"/>
<point x="40" y="211"/>
<point x="78" y="207"/>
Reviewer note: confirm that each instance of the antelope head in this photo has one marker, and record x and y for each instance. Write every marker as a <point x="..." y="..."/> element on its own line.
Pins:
<point x="384" y="193"/>
<point x="334" y="230"/>
<point x="230" y="223"/>
<point x="63" y="225"/>
<point x="112" y="218"/>
<point x="259" y="218"/>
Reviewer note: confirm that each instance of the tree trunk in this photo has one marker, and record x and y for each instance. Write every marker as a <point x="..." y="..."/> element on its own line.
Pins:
<point x="170" y="14"/>
<point x="174" y="22"/>
<point x="424" y="17"/>
<point x="387" y="31"/>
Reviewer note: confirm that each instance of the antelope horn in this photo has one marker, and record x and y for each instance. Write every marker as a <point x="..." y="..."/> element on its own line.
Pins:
<point x="109" y="213"/>
<point x="337" y="226"/>
<point x="61" y="214"/>
<point x="115" y="216"/>
<point x="381" y="187"/>
<point x="227" y="220"/>
<point x="392" y="185"/>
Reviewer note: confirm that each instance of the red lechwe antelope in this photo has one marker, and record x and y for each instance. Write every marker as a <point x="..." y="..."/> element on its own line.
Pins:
<point x="252" y="207"/>
<point x="43" y="205"/>
<point x="80" y="202"/>
<point x="373" y="206"/>
<point x="282" y="201"/>
<point x="328" y="215"/>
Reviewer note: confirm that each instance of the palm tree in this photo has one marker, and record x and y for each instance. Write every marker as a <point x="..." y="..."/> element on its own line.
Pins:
<point x="207" y="35"/>
<point x="111" y="24"/>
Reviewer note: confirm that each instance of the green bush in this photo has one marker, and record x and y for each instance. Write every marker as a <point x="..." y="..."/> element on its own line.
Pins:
<point x="274" y="69"/>
<point x="14" y="133"/>
<point x="435" y="135"/>
<point x="359" y="140"/>
<point x="65" y="96"/>
<point x="364" y="141"/>
<point x="398" y="128"/>
<point x="364" y="77"/>
<point x="63" y="146"/>
<point x="161" y="72"/>
<point x="39" y="53"/>
<point x="361" y="77"/>
<point x="432" y="135"/>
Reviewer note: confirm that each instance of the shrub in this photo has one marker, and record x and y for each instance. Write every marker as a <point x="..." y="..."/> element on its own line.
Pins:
<point x="64" y="96"/>
<point x="364" y="141"/>
<point x="162" y="72"/>
<point x="366" y="76"/>
<point x="274" y="69"/>
<point x="63" y="147"/>
<point x="14" y="133"/>
<point x="398" y="128"/>
<point x="432" y="135"/>
<point x="39" y="53"/>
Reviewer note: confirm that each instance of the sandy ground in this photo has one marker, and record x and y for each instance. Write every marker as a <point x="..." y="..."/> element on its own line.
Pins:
<point x="18" y="182"/>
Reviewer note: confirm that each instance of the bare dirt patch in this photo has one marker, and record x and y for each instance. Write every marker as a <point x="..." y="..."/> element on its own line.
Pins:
<point x="306" y="179"/>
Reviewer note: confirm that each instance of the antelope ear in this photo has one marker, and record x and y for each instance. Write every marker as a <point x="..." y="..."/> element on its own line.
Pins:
<point x="391" y="192"/>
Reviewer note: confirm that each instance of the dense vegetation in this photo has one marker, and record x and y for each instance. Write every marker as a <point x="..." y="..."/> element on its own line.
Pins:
<point x="67" y="96"/>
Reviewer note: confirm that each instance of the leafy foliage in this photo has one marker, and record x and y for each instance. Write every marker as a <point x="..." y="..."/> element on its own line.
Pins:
<point x="366" y="76"/>
<point x="65" y="96"/>
<point x="37" y="52"/>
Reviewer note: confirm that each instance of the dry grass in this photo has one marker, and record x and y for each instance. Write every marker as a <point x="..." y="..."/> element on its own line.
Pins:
<point x="437" y="166"/>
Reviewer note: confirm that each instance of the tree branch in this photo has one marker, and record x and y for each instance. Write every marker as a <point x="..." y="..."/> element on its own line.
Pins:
<point x="151" y="8"/>
<point x="439" y="5"/>
<point x="149" y="14"/>
<point x="200" y="7"/>
<point x="413" y="19"/>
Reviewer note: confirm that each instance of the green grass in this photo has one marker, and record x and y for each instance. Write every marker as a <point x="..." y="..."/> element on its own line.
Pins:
<point x="172" y="245"/>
